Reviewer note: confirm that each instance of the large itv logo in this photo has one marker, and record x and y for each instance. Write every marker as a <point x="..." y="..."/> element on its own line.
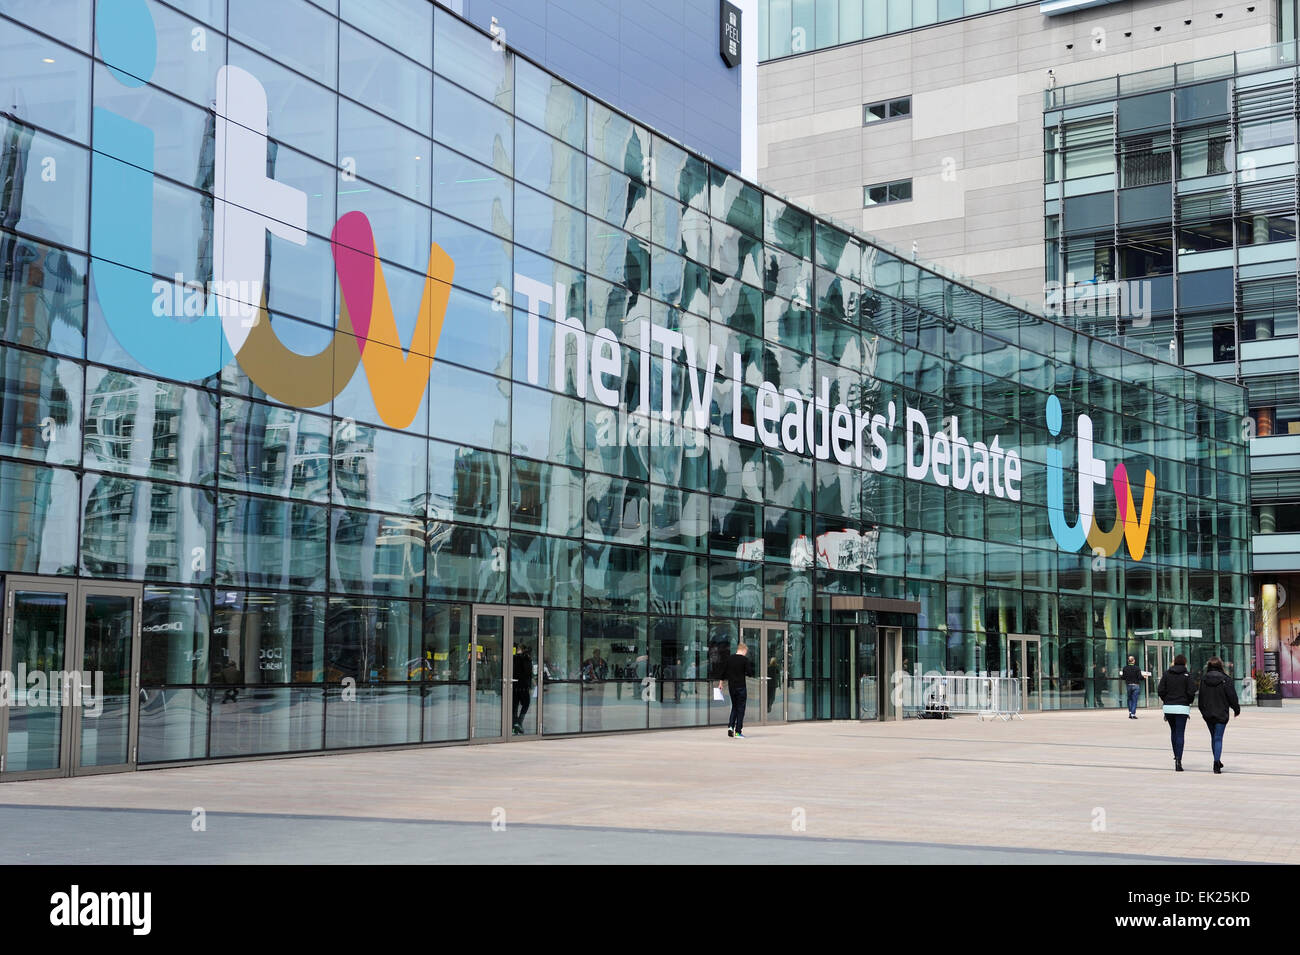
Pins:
<point x="226" y="316"/>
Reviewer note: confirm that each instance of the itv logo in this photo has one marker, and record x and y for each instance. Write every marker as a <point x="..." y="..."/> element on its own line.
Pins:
<point x="1128" y="526"/>
<point x="193" y="329"/>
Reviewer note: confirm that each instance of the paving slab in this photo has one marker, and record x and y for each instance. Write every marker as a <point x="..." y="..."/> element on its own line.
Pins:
<point x="1073" y="786"/>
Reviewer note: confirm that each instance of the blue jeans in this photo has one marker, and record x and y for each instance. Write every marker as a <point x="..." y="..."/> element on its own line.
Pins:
<point x="1216" y="739"/>
<point x="1177" y="729"/>
<point x="1133" y="690"/>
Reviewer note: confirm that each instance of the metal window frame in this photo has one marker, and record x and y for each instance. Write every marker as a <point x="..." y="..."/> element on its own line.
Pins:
<point x="887" y="103"/>
<point x="886" y="186"/>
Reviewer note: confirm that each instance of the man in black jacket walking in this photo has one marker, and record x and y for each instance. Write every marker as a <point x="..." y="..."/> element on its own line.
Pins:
<point x="734" y="672"/>
<point x="1133" y="676"/>
<point x="1218" y="695"/>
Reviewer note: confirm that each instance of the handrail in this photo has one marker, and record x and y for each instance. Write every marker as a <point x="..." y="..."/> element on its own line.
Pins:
<point x="1178" y="74"/>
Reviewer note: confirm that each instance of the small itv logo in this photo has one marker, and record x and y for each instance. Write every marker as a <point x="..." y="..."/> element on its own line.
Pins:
<point x="1129" y="526"/>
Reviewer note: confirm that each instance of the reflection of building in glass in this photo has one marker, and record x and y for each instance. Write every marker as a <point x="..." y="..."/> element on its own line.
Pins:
<point x="1162" y="158"/>
<point x="751" y="476"/>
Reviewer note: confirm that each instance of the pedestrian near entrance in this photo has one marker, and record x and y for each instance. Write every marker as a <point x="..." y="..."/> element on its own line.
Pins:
<point x="1177" y="690"/>
<point x="734" y="672"/>
<point x="1218" y="695"/>
<point x="1133" y="676"/>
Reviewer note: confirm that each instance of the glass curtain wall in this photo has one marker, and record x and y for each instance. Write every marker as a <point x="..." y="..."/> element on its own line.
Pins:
<point x="790" y="27"/>
<point x="314" y="546"/>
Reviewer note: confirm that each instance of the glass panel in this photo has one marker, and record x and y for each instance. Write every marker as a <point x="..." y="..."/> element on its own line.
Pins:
<point x="173" y="724"/>
<point x="252" y="720"/>
<point x="174" y="631"/>
<point x="270" y="543"/>
<point x="372" y="716"/>
<point x="776" y="666"/>
<point x="375" y="641"/>
<point x="39" y="641"/>
<point x="29" y="204"/>
<point x="405" y="25"/>
<point x="385" y="81"/>
<point x="273" y="450"/>
<point x="40" y="407"/>
<point x="296" y="33"/>
<point x="145" y="530"/>
<point x="868" y="667"/>
<point x="444" y="671"/>
<point x="525" y="635"/>
<point x="265" y="638"/>
<point x="614" y="664"/>
<point x="53" y="81"/>
<point x="752" y="639"/>
<point x="473" y="60"/>
<point x="487" y="650"/>
<point x="550" y="104"/>
<point x="42" y="296"/>
<point x="69" y="22"/>
<point x="109" y="636"/>
<point x="468" y="125"/>
<point x="562" y="673"/>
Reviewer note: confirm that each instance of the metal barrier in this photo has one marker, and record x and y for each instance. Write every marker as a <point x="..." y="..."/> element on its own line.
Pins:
<point x="939" y="695"/>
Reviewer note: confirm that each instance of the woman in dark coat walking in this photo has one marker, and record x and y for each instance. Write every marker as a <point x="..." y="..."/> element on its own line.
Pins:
<point x="1177" y="690"/>
<point x="1218" y="695"/>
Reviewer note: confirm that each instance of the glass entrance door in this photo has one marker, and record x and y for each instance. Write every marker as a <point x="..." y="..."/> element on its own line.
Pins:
<point x="103" y="735"/>
<point x="504" y="655"/>
<point x="73" y="652"/>
<point x="868" y="670"/>
<point x="1024" y="662"/>
<point x="1158" y="657"/>
<point x="768" y="686"/>
<point x="525" y="672"/>
<point x="889" y="674"/>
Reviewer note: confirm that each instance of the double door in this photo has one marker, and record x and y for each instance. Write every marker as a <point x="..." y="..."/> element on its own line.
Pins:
<point x="505" y="666"/>
<point x="1158" y="657"/>
<point x="1025" y="664"/>
<point x="883" y="688"/>
<point x="768" y="686"/>
<point x="71" y="672"/>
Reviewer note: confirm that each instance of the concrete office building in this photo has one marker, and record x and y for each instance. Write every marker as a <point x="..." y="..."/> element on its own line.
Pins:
<point x="1161" y="152"/>
<point x="949" y="113"/>
<point x="363" y="383"/>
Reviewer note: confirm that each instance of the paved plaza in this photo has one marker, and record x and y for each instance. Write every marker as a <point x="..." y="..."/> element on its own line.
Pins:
<point x="1070" y="787"/>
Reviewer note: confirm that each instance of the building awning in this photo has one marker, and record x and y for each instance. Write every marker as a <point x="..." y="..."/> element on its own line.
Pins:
<point x="878" y="604"/>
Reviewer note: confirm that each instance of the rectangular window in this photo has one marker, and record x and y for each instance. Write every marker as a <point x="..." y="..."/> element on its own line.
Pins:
<point x="1089" y="149"/>
<point x="1145" y="160"/>
<point x="887" y="192"/>
<point x="887" y="110"/>
<point x="1204" y="152"/>
<point x="1146" y="251"/>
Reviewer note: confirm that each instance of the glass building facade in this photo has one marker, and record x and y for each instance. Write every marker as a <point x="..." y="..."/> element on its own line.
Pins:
<point x="363" y="384"/>
<point x="1180" y="184"/>
<point x="790" y="27"/>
